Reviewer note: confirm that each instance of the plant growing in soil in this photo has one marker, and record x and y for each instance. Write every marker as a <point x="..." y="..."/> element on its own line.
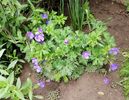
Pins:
<point x="77" y="13"/>
<point x="14" y="92"/>
<point x="124" y="73"/>
<point x="17" y="91"/>
<point x="59" y="53"/>
<point x="12" y="18"/>
<point x="127" y="4"/>
<point x="10" y="87"/>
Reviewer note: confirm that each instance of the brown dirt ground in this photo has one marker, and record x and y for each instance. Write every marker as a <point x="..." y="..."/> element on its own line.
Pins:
<point x="89" y="84"/>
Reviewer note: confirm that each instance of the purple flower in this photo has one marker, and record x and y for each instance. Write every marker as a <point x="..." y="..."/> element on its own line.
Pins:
<point x="35" y="61"/>
<point x="41" y="84"/>
<point x="106" y="81"/>
<point x="39" y="38"/>
<point x="113" y="67"/>
<point x="114" y="51"/>
<point x="86" y="54"/>
<point x="30" y="35"/>
<point x="44" y="16"/>
<point x="35" y="66"/>
<point x="48" y="22"/>
<point x="38" y="69"/>
<point x="40" y="30"/>
<point x="66" y="41"/>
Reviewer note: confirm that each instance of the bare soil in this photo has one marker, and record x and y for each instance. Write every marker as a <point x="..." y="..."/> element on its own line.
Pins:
<point x="90" y="86"/>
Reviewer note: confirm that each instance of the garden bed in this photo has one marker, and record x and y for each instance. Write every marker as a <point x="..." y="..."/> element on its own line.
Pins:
<point x="90" y="86"/>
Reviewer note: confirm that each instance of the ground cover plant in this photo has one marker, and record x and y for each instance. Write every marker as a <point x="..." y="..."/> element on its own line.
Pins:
<point x="124" y="73"/>
<point x="55" y="51"/>
<point x="127" y="4"/>
<point x="12" y="87"/>
<point x="11" y="17"/>
<point x="60" y="53"/>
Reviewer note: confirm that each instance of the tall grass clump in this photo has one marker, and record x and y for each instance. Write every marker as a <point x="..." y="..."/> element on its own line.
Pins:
<point x="76" y="13"/>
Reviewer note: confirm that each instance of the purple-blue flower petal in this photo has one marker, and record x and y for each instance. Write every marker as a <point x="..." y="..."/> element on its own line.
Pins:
<point x="66" y="41"/>
<point x="48" y="22"/>
<point x="106" y="80"/>
<point x="114" y="51"/>
<point x="44" y="16"/>
<point x="39" y="38"/>
<point x="35" y="61"/>
<point x="113" y="66"/>
<point x="41" y="84"/>
<point x="86" y="54"/>
<point x="30" y="35"/>
<point x="38" y="69"/>
<point x="40" y="30"/>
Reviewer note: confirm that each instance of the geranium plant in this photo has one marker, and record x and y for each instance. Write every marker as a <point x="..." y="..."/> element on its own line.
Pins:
<point x="59" y="53"/>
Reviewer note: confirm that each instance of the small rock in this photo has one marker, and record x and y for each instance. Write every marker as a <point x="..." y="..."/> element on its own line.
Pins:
<point x="100" y="93"/>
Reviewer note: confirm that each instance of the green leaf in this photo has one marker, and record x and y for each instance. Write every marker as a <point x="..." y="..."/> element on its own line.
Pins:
<point x="11" y="78"/>
<point x="22" y="61"/>
<point x="3" y="84"/>
<point x="57" y="77"/>
<point x="2" y="78"/>
<point x="3" y="92"/>
<point x="4" y="72"/>
<point x="19" y="95"/>
<point x="18" y="84"/>
<point x="1" y="52"/>
<point x="2" y="66"/>
<point x="66" y="79"/>
<point x="39" y="97"/>
<point x="27" y="86"/>
<point x="12" y="64"/>
<point x="30" y="95"/>
<point x="2" y="45"/>
<point x="4" y="2"/>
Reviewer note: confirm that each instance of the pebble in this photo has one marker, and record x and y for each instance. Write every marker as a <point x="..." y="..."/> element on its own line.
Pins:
<point x="101" y="93"/>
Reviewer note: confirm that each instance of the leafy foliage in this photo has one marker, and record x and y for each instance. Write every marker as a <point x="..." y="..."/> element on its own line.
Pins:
<point x="12" y="19"/>
<point x="17" y="91"/>
<point x="64" y="61"/>
<point x="11" y="89"/>
<point x="124" y="73"/>
<point x="77" y="13"/>
<point x="127" y="4"/>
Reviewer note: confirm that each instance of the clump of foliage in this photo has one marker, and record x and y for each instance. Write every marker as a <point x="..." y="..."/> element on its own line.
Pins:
<point x="59" y="53"/>
<point x="46" y="4"/>
<point x="11" y="26"/>
<point x="127" y="4"/>
<point x="80" y="14"/>
<point x="15" y="91"/>
<point x="124" y="73"/>
<point x="12" y="88"/>
<point x="77" y="13"/>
